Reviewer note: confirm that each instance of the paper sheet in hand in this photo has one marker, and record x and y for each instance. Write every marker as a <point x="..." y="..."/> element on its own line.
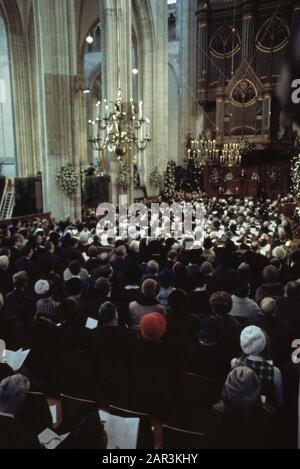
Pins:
<point x="103" y="415"/>
<point x="122" y="433"/>
<point x="50" y="439"/>
<point x="53" y="411"/>
<point x="16" y="359"/>
<point x="91" y="324"/>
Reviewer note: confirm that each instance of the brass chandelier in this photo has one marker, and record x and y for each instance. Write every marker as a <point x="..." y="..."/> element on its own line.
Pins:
<point x="207" y="153"/>
<point x="122" y="126"/>
<point x="122" y="129"/>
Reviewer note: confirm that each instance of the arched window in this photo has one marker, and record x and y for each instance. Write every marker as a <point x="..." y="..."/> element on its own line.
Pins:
<point x="7" y="138"/>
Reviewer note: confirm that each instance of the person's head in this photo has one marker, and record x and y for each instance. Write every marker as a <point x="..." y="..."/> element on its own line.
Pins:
<point x="177" y="301"/>
<point x="108" y="314"/>
<point x="268" y="307"/>
<point x="4" y="263"/>
<point x="206" y="269"/>
<point x="105" y="271"/>
<point x="153" y="326"/>
<point x="74" y="287"/>
<point x="93" y="252"/>
<point x="244" y="270"/>
<point x="134" y="247"/>
<point x="253" y="341"/>
<point x="28" y="250"/>
<point x="295" y="256"/>
<point x="75" y="268"/>
<point x="152" y="267"/>
<point x="242" y="389"/>
<point x="208" y="244"/>
<point x="150" y="288"/>
<point x="293" y="290"/>
<point x="173" y="256"/>
<point x="179" y="269"/>
<point x="42" y="288"/>
<point x="165" y="279"/>
<point x="270" y="274"/>
<point x="68" y="311"/>
<point x="49" y="247"/>
<point x="241" y="289"/>
<point x="84" y="238"/>
<point x="279" y="253"/>
<point x="39" y="238"/>
<point x="121" y="251"/>
<point x="13" y="391"/>
<point x="20" y="280"/>
<point x="102" y="287"/>
<point x="220" y="303"/>
<point x="17" y="241"/>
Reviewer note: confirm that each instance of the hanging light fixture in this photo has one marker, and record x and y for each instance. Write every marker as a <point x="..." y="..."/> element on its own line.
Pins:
<point x="119" y="126"/>
<point x="121" y="129"/>
<point x="231" y="155"/>
<point x="205" y="151"/>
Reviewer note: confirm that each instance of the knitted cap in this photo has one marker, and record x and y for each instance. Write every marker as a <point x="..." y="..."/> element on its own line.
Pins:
<point x="41" y="287"/>
<point x="153" y="326"/>
<point x="253" y="340"/>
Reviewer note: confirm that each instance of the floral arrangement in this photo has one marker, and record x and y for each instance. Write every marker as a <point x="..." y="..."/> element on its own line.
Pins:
<point x="228" y="177"/>
<point x="215" y="178"/>
<point x="274" y="175"/>
<point x="295" y="172"/>
<point x="155" y="178"/>
<point x="245" y="146"/>
<point x="281" y="133"/>
<point x="170" y="180"/>
<point x="255" y="177"/>
<point x="125" y="176"/>
<point x="68" y="179"/>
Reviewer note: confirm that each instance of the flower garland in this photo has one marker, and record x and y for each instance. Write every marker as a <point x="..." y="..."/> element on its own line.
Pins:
<point x="155" y="178"/>
<point x="68" y="179"/>
<point x="125" y="176"/>
<point x="245" y="146"/>
<point x="255" y="177"/>
<point x="228" y="177"/>
<point x="295" y="172"/>
<point x="215" y="178"/>
<point x="170" y="180"/>
<point x="274" y="175"/>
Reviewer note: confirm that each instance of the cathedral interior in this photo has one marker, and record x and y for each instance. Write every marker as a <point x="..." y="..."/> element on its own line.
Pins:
<point x="134" y="330"/>
<point x="205" y="72"/>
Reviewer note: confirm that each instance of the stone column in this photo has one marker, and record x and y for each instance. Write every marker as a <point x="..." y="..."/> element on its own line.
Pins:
<point x="116" y="22"/>
<point x="248" y="32"/>
<point x="202" y="55"/>
<point x="59" y="101"/>
<point x="296" y="16"/>
<point x="189" y="111"/>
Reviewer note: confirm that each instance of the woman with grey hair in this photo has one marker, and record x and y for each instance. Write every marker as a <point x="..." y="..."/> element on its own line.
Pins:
<point x="14" y="435"/>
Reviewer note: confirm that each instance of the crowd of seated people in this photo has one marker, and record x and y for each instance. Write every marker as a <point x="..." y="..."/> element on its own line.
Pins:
<point x="226" y="310"/>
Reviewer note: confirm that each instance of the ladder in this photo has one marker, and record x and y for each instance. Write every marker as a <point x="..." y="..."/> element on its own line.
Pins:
<point x="8" y="200"/>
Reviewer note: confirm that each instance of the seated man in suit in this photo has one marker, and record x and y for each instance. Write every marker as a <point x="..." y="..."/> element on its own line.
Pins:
<point x="13" y="435"/>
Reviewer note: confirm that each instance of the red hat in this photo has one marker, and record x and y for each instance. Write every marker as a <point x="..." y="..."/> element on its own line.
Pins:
<point x="153" y="326"/>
